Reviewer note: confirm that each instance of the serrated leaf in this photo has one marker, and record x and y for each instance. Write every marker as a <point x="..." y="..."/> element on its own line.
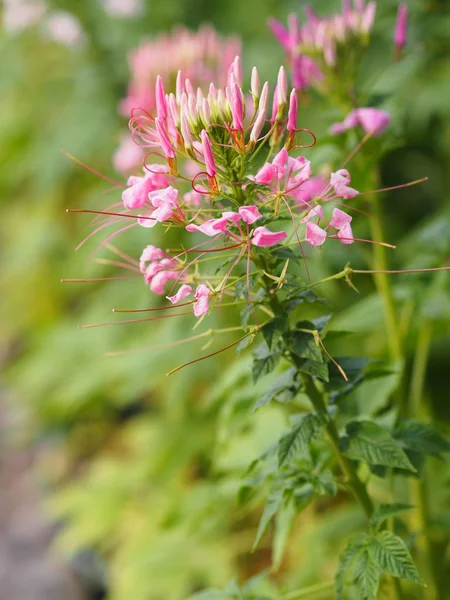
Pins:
<point x="367" y="576"/>
<point x="422" y="437"/>
<point x="390" y="553"/>
<point x="369" y="442"/>
<point x="273" y="504"/>
<point x="264" y="361"/>
<point x="272" y="330"/>
<point x="284" y="389"/>
<point x="283" y="526"/>
<point x="346" y="558"/>
<point x="308" y="296"/>
<point x="303" y="345"/>
<point x="299" y="437"/>
<point x="246" y="313"/>
<point x="314" y="368"/>
<point x="384" y="511"/>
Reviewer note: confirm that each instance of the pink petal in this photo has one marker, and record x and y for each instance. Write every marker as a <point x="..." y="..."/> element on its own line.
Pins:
<point x="266" y="174"/>
<point x="147" y="221"/>
<point x="184" y="291"/>
<point x="317" y="211"/>
<point x="263" y="237"/>
<point x="159" y="281"/>
<point x="340" y="218"/>
<point x="249" y="214"/>
<point x="202" y="294"/>
<point x="315" y="235"/>
<point x="210" y="228"/>
<point x="373" y="120"/>
<point x="281" y="33"/>
<point x="346" y="234"/>
<point x="151" y="253"/>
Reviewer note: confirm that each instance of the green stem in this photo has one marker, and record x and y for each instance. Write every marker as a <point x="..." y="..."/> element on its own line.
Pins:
<point x="310" y="591"/>
<point x="422" y="522"/>
<point x="354" y="483"/>
<point x="383" y="284"/>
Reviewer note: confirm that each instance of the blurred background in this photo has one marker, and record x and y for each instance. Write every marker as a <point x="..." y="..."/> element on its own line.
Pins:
<point x="116" y="481"/>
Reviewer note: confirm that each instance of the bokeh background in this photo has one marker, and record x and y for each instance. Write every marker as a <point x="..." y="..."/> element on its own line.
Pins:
<point x="117" y="481"/>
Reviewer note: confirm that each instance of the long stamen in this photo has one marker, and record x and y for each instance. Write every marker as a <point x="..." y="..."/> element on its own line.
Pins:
<point x="395" y="187"/>
<point x="93" y="171"/>
<point x="95" y="279"/>
<point x="91" y="325"/>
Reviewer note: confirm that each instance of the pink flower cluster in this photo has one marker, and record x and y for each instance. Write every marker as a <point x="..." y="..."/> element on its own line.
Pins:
<point x="203" y="56"/>
<point x="231" y="201"/>
<point x="313" y="47"/>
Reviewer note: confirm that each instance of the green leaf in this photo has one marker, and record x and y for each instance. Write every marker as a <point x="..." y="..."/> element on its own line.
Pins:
<point x="244" y="343"/>
<point x="384" y="511"/>
<point x="284" y="389"/>
<point x="422" y="437"/>
<point x="356" y="544"/>
<point x="273" y="503"/>
<point x="391" y="554"/>
<point x="367" y="576"/>
<point x="354" y="369"/>
<point x="295" y="300"/>
<point x="264" y="361"/>
<point x="303" y="345"/>
<point x="246" y="313"/>
<point x="272" y="330"/>
<point x="314" y="368"/>
<point x="369" y="442"/>
<point x="283" y="526"/>
<point x="299" y="437"/>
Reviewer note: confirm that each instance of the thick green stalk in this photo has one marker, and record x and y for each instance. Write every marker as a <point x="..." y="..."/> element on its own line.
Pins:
<point x="348" y="468"/>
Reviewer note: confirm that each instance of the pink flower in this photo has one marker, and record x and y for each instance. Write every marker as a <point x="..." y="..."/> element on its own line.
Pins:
<point x="211" y="227"/>
<point x="401" y="27"/>
<point x="281" y="33"/>
<point x="249" y="214"/>
<point x="127" y="156"/>
<point x="266" y="174"/>
<point x="184" y="291"/>
<point x="164" y="140"/>
<point x="339" y="181"/>
<point x="317" y="211"/>
<point x="371" y="120"/>
<point x="136" y="195"/>
<point x="159" y="280"/>
<point x="150" y="254"/>
<point x="315" y="235"/>
<point x="340" y="218"/>
<point x="208" y="154"/>
<point x="263" y="237"/>
<point x="304" y="72"/>
<point x="309" y="190"/>
<point x="237" y="107"/>
<point x="345" y="234"/>
<point x="202" y="294"/>
<point x="160" y="96"/>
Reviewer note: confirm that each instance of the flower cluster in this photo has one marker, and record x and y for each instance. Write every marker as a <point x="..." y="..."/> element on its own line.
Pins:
<point x="213" y="182"/>
<point x="316" y="48"/>
<point x="203" y="56"/>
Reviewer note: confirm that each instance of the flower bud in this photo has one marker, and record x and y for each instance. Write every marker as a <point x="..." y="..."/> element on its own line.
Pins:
<point x="208" y="154"/>
<point x="255" y="85"/>
<point x="401" y="27"/>
<point x="257" y="126"/>
<point x="164" y="139"/>
<point x="282" y="87"/>
<point x="161" y="105"/>
<point x="293" y="110"/>
<point x="186" y="132"/>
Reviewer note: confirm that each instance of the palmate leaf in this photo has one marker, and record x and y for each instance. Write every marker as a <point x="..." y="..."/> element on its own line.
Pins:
<point x="369" y="442"/>
<point x="264" y="361"/>
<point x="367" y="576"/>
<point x="299" y="437"/>
<point x="390" y="553"/>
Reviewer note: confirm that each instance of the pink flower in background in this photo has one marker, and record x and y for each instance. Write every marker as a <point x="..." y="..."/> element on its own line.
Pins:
<point x="127" y="156"/>
<point x="63" y="27"/>
<point x="21" y="14"/>
<point x="371" y="120"/>
<point x="123" y="8"/>
<point x="401" y="27"/>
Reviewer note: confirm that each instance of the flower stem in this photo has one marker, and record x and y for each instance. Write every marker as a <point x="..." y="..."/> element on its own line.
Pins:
<point x="310" y="591"/>
<point x="354" y="483"/>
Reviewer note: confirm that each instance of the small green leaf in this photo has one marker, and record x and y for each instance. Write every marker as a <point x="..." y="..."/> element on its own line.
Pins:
<point x="244" y="343"/>
<point x="272" y="330"/>
<point x="369" y="442"/>
<point x="299" y="437"/>
<point x="384" y="511"/>
<point x="246" y="313"/>
<point x="264" y="361"/>
<point x="273" y="503"/>
<point x="422" y="437"/>
<point x="314" y="368"/>
<point x="356" y="544"/>
<point x="284" y="389"/>
<point x="284" y="522"/>
<point x="391" y="554"/>
<point x="303" y="345"/>
<point x="367" y="576"/>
